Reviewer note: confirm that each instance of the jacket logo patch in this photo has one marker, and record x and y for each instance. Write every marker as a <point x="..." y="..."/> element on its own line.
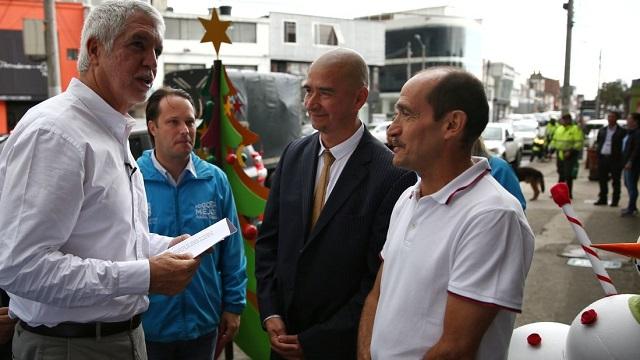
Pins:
<point x="206" y="210"/>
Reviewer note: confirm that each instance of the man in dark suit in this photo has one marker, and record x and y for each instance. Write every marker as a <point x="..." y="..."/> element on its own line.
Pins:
<point x="326" y="219"/>
<point x="609" y="148"/>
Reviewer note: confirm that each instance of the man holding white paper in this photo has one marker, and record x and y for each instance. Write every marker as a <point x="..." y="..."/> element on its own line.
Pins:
<point x="187" y="195"/>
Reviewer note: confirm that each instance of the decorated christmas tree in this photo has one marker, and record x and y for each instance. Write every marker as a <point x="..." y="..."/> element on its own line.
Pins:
<point x="221" y="141"/>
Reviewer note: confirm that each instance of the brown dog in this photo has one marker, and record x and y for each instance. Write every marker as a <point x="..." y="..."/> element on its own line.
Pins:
<point x="533" y="177"/>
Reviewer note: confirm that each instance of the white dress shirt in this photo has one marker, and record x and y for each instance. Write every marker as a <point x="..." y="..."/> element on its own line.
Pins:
<point x="187" y="169"/>
<point x="73" y="214"/>
<point x="606" y="146"/>
<point x="341" y="152"/>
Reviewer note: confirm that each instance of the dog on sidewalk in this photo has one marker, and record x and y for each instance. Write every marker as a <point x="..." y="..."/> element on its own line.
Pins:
<point x="532" y="177"/>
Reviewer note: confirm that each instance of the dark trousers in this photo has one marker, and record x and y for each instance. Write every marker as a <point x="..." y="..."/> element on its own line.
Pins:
<point x="606" y="169"/>
<point x="565" y="170"/>
<point x="5" y="351"/>
<point x="631" y="183"/>
<point x="201" y="348"/>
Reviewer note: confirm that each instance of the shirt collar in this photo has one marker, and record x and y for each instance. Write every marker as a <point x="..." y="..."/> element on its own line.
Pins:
<point x="462" y="182"/>
<point x="118" y="124"/>
<point x="190" y="168"/>
<point x="346" y="147"/>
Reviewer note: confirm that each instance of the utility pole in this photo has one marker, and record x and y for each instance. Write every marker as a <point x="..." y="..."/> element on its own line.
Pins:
<point x="566" y="87"/>
<point x="408" y="60"/>
<point x="51" y="47"/>
<point x="598" y="88"/>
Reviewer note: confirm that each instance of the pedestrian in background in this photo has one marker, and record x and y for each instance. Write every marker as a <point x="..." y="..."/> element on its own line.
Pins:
<point x="548" y="133"/>
<point x="567" y="140"/>
<point x="609" y="149"/>
<point x="459" y="246"/>
<point x="631" y="160"/>
<point x="77" y="259"/>
<point x="186" y="195"/>
<point x="326" y="219"/>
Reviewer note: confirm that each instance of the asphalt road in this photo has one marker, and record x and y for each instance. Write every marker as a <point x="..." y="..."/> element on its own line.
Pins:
<point x="556" y="291"/>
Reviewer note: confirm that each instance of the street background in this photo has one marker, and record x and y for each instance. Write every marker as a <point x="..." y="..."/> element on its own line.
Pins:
<point x="554" y="290"/>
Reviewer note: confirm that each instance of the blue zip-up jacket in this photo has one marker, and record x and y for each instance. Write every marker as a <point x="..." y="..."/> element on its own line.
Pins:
<point x="220" y="282"/>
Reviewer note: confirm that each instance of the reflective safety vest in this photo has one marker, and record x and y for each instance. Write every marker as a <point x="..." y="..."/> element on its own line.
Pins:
<point x="567" y="138"/>
<point x="549" y="130"/>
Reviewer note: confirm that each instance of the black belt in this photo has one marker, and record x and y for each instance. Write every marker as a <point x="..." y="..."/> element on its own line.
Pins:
<point x="80" y="330"/>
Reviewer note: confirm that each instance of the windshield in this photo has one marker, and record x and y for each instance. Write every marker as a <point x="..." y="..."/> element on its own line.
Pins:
<point x="492" y="133"/>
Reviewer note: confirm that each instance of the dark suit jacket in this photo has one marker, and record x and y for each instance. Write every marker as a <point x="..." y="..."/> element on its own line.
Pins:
<point x="317" y="280"/>
<point x="632" y="150"/>
<point x="616" y="144"/>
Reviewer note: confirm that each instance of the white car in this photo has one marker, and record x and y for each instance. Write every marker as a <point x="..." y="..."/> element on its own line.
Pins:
<point x="500" y="140"/>
<point x="379" y="131"/>
<point x="527" y="131"/>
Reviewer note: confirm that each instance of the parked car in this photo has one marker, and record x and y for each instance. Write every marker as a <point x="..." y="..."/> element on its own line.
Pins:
<point x="527" y="131"/>
<point x="139" y="141"/>
<point x="379" y="131"/>
<point x="500" y="140"/>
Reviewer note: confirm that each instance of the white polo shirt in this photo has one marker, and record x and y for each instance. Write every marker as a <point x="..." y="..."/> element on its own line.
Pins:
<point x="470" y="239"/>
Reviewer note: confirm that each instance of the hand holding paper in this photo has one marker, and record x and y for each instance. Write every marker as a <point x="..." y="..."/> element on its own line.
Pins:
<point x="203" y="240"/>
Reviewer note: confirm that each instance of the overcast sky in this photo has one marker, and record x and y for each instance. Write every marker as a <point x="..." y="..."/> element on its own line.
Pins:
<point x="526" y="34"/>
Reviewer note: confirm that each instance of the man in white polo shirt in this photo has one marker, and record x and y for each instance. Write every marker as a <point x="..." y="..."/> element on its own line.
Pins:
<point x="459" y="246"/>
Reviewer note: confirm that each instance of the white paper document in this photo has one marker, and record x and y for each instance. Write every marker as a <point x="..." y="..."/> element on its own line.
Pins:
<point x="198" y="243"/>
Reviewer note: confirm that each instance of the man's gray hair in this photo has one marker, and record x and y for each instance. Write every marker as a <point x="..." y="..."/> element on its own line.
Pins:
<point x="107" y="21"/>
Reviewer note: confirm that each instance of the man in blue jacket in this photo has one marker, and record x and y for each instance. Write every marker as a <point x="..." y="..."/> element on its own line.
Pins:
<point x="186" y="195"/>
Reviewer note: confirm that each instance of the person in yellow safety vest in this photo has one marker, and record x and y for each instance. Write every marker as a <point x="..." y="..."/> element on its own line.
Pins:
<point x="567" y="140"/>
<point x="548" y="134"/>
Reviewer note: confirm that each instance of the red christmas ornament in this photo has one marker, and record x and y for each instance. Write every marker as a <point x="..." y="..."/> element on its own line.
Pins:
<point x="534" y="339"/>
<point x="589" y="317"/>
<point x="231" y="158"/>
<point x="250" y="232"/>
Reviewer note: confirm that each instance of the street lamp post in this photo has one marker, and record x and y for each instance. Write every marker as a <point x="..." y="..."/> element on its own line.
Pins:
<point x="424" y="49"/>
<point x="566" y="87"/>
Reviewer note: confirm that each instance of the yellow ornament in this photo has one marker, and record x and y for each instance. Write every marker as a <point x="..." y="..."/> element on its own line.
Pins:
<point x="215" y="30"/>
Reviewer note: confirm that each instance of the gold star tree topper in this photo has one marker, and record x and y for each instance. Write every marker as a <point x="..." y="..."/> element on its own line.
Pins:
<point x="215" y="30"/>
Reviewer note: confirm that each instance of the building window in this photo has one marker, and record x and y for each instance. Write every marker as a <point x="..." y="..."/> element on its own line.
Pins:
<point x="242" y="32"/>
<point x="289" y="32"/>
<point x="72" y="54"/>
<point x="325" y="34"/>
<point x="241" y="67"/>
<point x="183" y="29"/>
<point x="169" y="67"/>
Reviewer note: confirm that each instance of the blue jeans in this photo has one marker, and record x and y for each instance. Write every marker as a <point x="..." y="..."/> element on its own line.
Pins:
<point x="201" y="348"/>
<point x="631" y="183"/>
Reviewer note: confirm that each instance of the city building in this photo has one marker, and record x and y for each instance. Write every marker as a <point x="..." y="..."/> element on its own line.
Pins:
<point x="23" y="79"/>
<point x="422" y="38"/>
<point x="547" y="93"/>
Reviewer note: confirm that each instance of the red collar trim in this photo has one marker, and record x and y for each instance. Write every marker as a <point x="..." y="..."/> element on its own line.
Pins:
<point x="469" y="185"/>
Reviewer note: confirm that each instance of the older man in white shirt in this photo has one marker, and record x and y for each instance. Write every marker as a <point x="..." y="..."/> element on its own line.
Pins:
<point x="77" y="258"/>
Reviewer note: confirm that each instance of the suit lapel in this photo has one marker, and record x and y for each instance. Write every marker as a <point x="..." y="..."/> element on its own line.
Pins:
<point x="354" y="172"/>
<point x="309" y="165"/>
